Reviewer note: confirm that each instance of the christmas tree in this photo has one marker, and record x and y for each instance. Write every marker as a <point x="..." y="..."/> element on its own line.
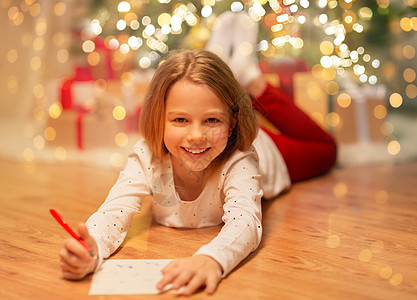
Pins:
<point x="368" y="39"/>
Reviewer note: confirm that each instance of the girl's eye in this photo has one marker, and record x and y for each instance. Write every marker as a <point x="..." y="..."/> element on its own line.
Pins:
<point x="212" y="120"/>
<point x="180" y="120"/>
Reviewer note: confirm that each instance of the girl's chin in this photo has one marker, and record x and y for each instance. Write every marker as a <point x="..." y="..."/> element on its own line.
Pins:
<point x="196" y="167"/>
<point x="196" y="162"/>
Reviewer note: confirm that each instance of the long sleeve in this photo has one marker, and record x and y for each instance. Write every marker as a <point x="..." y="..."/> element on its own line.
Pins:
<point x="242" y="229"/>
<point x="110" y="224"/>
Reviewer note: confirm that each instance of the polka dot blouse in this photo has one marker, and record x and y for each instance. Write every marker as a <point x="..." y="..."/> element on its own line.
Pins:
<point x="232" y="197"/>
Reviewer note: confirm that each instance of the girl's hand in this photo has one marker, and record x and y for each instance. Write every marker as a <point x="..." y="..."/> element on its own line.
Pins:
<point x="76" y="261"/>
<point x="192" y="273"/>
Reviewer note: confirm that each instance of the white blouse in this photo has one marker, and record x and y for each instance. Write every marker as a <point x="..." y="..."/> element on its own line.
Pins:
<point x="232" y="196"/>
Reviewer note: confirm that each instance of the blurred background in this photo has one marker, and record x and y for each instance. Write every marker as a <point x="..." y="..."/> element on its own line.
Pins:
<point x="73" y="73"/>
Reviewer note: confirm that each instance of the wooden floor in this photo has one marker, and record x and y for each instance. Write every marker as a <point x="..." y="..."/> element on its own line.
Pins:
<point x="351" y="234"/>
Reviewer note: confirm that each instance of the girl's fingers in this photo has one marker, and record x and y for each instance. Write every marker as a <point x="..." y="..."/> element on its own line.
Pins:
<point x="182" y="279"/>
<point x="174" y="276"/>
<point x="211" y="284"/>
<point x="193" y="285"/>
<point x="76" y="260"/>
<point x="83" y="231"/>
<point x="191" y="275"/>
<point x="76" y="249"/>
<point x="72" y="259"/>
<point x="67" y="258"/>
<point x="77" y="271"/>
<point x="72" y="276"/>
<point x="168" y="278"/>
<point x="85" y="235"/>
<point x="72" y="264"/>
<point x="74" y="270"/>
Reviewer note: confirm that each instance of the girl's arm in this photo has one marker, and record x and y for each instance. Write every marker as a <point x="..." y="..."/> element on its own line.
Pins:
<point x="242" y="230"/>
<point x="110" y="224"/>
<point x="240" y="234"/>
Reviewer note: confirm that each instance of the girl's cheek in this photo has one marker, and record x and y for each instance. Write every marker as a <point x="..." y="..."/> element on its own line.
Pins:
<point x="218" y="134"/>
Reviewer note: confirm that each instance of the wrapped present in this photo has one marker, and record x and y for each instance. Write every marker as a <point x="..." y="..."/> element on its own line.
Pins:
<point x="81" y="77"/>
<point x="294" y="79"/>
<point x="99" y="129"/>
<point x="88" y="129"/>
<point x="310" y="96"/>
<point x="66" y="129"/>
<point x="101" y="63"/>
<point x="361" y="114"/>
<point x="130" y="95"/>
<point x="280" y="73"/>
<point x="82" y="94"/>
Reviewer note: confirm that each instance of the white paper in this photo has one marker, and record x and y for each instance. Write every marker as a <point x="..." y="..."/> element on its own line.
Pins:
<point x="127" y="276"/>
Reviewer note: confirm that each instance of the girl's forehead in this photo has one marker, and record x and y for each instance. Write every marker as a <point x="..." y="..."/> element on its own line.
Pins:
<point x="195" y="100"/>
<point x="185" y="89"/>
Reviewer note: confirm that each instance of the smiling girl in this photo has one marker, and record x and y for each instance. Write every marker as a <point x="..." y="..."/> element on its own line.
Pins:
<point x="205" y="163"/>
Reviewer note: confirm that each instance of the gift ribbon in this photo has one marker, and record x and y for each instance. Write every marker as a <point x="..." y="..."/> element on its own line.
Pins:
<point x="66" y="97"/>
<point x="79" y="130"/>
<point x="359" y="98"/>
<point x="361" y="116"/>
<point x="80" y="74"/>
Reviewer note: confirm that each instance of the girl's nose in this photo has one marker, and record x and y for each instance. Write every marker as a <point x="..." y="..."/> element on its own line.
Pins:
<point x="196" y="133"/>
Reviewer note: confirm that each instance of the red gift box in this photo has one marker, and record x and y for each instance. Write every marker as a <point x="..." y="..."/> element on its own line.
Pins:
<point x="362" y="117"/>
<point x="67" y="130"/>
<point x="86" y="130"/>
<point x="281" y="72"/>
<point x="83" y="76"/>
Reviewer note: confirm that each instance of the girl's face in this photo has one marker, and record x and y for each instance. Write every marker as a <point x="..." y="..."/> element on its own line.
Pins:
<point x="197" y="125"/>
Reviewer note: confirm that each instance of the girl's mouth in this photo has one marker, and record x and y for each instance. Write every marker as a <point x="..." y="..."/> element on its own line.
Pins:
<point x="195" y="151"/>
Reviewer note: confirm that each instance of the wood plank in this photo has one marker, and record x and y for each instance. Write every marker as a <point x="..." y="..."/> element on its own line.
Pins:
<point x="351" y="234"/>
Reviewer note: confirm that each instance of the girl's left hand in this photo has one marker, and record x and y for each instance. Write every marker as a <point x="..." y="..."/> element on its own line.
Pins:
<point x="192" y="273"/>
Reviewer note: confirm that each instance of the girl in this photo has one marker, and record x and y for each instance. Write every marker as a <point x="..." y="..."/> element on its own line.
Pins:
<point x="205" y="163"/>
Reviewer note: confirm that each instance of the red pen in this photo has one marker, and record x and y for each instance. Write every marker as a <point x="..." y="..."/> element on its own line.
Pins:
<point x="64" y="224"/>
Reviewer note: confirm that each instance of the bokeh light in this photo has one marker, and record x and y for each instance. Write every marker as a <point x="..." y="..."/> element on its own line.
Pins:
<point x="394" y="147"/>
<point x="61" y="153"/>
<point x="340" y="190"/>
<point x="117" y="42"/>
<point x="333" y="241"/>
<point x="396" y="279"/>
<point x="385" y="272"/>
<point x="55" y="110"/>
<point x="365" y="255"/>
<point x="396" y="100"/>
<point x="119" y="113"/>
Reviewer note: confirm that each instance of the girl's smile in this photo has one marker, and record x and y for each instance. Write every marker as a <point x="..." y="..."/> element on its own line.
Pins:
<point x="196" y="151"/>
<point x="197" y="125"/>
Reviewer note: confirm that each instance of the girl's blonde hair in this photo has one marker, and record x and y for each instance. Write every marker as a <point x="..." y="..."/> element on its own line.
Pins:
<point x="199" y="67"/>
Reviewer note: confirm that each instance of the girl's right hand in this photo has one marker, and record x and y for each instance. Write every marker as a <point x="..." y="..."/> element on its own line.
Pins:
<point x="76" y="261"/>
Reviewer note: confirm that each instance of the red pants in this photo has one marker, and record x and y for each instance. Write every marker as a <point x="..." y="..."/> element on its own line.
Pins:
<point x="306" y="148"/>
